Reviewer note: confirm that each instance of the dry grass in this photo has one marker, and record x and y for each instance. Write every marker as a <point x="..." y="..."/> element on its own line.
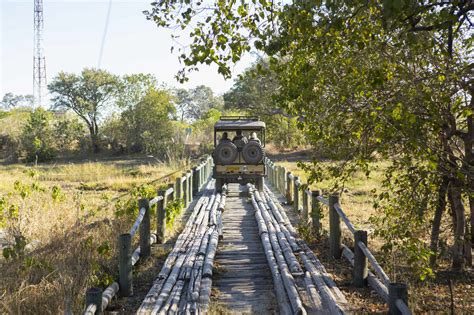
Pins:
<point x="356" y="200"/>
<point x="69" y="233"/>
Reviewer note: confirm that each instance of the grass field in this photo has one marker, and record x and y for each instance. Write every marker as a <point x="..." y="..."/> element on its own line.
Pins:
<point x="59" y="222"/>
<point x="356" y="200"/>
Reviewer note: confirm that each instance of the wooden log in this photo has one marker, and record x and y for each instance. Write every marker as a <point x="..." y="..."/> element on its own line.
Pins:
<point x="316" y="212"/>
<point x="288" y="280"/>
<point x="213" y="211"/>
<point x="94" y="297"/>
<point x="168" y="285"/>
<point x="178" y="188"/>
<point x="397" y="292"/>
<point x="305" y="212"/>
<point x="204" y="294"/>
<point x="360" y="261"/>
<point x="172" y="304"/>
<point x="335" y="240"/>
<point x="220" y="226"/>
<point x="108" y="294"/>
<point x="282" y="297"/>
<point x="327" y="279"/>
<point x="315" y="298"/>
<point x="145" y="229"/>
<point x="150" y="299"/>
<point x="161" y="217"/>
<point x="125" y="264"/>
<point x="211" y="252"/>
<point x="372" y="280"/>
<point x="289" y="187"/>
<point x="296" y="193"/>
<point x="326" y="294"/>
<point x="195" y="181"/>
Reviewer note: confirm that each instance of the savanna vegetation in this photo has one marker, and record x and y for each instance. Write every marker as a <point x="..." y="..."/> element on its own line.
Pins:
<point x="381" y="93"/>
<point x="367" y="81"/>
<point x="72" y="174"/>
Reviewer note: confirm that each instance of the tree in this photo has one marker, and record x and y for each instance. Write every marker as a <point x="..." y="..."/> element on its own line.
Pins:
<point x="134" y="87"/>
<point x="88" y="95"/>
<point x="192" y="104"/>
<point x="147" y="124"/>
<point x="253" y="92"/>
<point x="368" y="79"/>
<point x="11" y="100"/>
<point x="67" y="133"/>
<point x="37" y="137"/>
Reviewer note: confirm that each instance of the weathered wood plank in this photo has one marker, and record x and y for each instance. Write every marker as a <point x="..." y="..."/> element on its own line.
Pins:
<point x="245" y="284"/>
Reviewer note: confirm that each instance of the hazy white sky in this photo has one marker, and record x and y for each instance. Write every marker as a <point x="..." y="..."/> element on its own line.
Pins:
<point x="72" y="39"/>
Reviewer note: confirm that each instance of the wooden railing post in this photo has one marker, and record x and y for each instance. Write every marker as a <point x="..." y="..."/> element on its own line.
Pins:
<point x="305" y="212"/>
<point x="296" y="193"/>
<point x="190" y="186"/>
<point x="289" y="187"/>
<point x="94" y="296"/>
<point x="178" y="188"/>
<point x="396" y="291"/>
<point x="335" y="244"/>
<point x="195" y="181"/>
<point x="172" y="196"/>
<point x="316" y="211"/>
<point x="282" y="180"/>
<point x="145" y="228"/>
<point x="201" y="175"/>
<point x="161" y="218"/>
<point x="125" y="265"/>
<point x="361" y="270"/>
<point x="272" y="174"/>
<point x="277" y="177"/>
<point x="185" y="189"/>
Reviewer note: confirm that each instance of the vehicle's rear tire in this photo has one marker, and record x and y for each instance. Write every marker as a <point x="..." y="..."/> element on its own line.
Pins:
<point x="253" y="152"/>
<point x="225" y="153"/>
<point x="259" y="184"/>
<point x="219" y="184"/>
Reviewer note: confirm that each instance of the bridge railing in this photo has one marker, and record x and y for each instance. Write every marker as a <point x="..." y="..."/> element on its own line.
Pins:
<point x="184" y="188"/>
<point x="309" y="203"/>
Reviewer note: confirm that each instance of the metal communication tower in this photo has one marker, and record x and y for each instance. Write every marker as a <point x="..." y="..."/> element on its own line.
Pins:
<point x="39" y="61"/>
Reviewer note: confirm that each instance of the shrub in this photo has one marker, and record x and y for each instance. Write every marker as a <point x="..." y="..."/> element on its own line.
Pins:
<point x="37" y="137"/>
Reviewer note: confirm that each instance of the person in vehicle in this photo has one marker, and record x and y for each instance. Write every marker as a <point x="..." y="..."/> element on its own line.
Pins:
<point x="224" y="137"/>
<point x="253" y="137"/>
<point x="239" y="140"/>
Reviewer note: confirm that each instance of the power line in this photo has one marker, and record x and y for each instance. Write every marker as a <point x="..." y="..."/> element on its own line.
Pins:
<point x="104" y="36"/>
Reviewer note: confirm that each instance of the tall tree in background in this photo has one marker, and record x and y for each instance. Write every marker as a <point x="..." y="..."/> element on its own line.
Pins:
<point x="370" y="79"/>
<point x="254" y="92"/>
<point x="192" y="104"/>
<point x="147" y="124"/>
<point x="11" y="100"/>
<point x="89" y="95"/>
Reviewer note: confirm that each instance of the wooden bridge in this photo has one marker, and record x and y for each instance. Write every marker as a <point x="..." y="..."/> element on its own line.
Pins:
<point x="239" y="253"/>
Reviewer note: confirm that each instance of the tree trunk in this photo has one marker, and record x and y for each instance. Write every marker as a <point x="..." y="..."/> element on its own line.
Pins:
<point x="440" y="208"/>
<point x="94" y="139"/>
<point x="455" y="199"/>
<point x="469" y="168"/>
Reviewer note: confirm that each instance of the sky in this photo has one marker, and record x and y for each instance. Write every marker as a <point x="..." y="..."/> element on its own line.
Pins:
<point x="73" y="32"/>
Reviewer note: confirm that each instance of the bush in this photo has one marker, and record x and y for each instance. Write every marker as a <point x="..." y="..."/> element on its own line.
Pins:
<point x="37" y="137"/>
<point x="68" y="133"/>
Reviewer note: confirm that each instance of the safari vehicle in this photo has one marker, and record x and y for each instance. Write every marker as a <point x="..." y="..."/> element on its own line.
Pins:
<point x="239" y="154"/>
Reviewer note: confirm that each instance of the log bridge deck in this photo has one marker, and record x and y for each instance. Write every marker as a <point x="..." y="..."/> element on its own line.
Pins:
<point x="257" y="265"/>
<point x="244" y="282"/>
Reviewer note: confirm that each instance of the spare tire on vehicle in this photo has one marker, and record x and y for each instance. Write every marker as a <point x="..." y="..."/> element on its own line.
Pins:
<point x="225" y="153"/>
<point x="253" y="152"/>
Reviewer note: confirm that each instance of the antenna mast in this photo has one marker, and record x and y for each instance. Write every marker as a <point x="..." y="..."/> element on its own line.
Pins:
<point x="39" y="61"/>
